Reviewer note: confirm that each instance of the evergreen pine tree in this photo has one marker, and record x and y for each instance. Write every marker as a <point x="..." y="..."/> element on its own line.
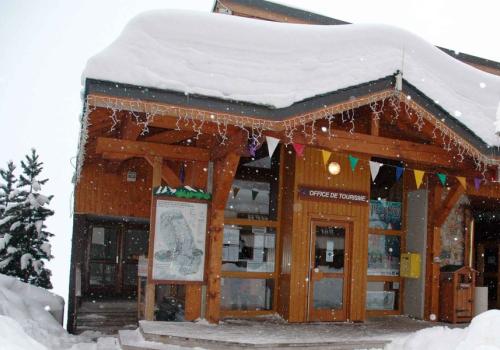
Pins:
<point x="28" y="246"/>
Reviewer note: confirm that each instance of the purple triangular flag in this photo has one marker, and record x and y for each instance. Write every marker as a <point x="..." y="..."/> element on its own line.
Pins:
<point x="477" y="183"/>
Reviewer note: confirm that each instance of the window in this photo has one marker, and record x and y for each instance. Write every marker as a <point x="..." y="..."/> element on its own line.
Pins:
<point x="385" y="240"/>
<point x="247" y="294"/>
<point x="248" y="248"/>
<point x="384" y="252"/>
<point x="250" y="237"/>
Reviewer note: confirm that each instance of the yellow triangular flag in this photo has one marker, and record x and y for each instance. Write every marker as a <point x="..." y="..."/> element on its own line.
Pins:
<point x="462" y="181"/>
<point x="326" y="156"/>
<point x="419" y="177"/>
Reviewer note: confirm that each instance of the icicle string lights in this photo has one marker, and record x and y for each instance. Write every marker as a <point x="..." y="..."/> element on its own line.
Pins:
<point x="305" y="124"/>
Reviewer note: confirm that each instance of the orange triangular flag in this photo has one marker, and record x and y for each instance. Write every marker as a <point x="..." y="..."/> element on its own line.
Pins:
<point x="326" y="156"/>
<point x="463" y="181"/>
<point x="419" y="177"/>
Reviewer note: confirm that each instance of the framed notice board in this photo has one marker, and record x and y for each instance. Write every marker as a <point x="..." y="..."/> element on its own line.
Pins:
<point x="179" y="240"/>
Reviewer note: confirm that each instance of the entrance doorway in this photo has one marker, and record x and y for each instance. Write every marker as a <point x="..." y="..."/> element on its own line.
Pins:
<point x="329" y="270"/>
<point x="114" y="251"/>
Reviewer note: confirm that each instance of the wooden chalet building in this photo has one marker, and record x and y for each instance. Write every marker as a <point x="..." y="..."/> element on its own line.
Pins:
<point x="195" y="203"/>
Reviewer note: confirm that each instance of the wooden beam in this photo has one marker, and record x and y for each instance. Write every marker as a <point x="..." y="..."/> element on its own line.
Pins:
<point x="342" y="141"/>
<point x="130" y="130"/>
<point x="115" y="156"/>
<point x="236" y="142"/>
<point x="447" y="206"/>
<point x="167" y="174"/>
<point x="140" y="149"/>
<point x="157" y="163"/>
<point x="170" y="136"/>
<point x="224" y="171"/>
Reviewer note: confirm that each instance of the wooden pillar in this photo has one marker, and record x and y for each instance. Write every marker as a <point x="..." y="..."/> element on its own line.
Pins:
<point x="197" y="178"/>
<point x="224" y="172"/>
<point x="157" y="163"/>
<point x="438" y="213"/>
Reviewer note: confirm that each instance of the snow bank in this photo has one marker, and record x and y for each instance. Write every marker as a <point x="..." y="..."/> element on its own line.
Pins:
<point x="22" y="301"/>
<point x="278" y="64"/>
<point x="482" y="334"/>
<point x="28" y="320"/>
<point x="13" y="336"/>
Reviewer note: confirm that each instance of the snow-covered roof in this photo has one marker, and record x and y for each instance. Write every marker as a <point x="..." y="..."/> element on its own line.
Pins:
<point x="279" y="64"/>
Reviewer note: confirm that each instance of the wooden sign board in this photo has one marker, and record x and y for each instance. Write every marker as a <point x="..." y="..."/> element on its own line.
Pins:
<point x="333" y="195"/>
<point x="179" y="241"/>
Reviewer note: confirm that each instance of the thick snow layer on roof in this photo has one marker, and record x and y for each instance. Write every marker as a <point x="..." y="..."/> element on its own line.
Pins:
<point x="278" y="64"/>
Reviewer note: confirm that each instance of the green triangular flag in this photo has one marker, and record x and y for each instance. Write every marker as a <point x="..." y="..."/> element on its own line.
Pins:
<point x="442" y="178"/>
<point x="354" y="161"/>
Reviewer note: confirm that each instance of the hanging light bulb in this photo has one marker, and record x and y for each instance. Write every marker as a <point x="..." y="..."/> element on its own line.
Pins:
<point x="334" y="168"/>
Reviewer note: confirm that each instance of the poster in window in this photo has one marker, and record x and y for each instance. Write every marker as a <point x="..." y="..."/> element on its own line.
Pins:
<point x="385" y="215"/>
<point x="179" y="241"/>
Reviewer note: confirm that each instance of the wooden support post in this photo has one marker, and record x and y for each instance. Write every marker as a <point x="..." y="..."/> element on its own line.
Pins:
<point x="438" y="213"/>
<point x="150" y="286"/>
<point x="224" y="172"/>
<point x="197" y="178"/>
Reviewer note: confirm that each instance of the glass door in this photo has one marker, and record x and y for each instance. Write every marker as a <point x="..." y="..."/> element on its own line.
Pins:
<point x="329" y="270"/>
<point x="104" y="259"/>
<point x="135" y="244"/>
<point x="113" y="257"/>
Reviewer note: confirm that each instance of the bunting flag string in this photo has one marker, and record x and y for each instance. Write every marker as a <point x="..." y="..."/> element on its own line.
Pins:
<point x="272" y="143"/>
<point x="374" y="169"/>
<point x="353" y="161"/>
<point x="442" y="178"/>
<point x="326" y="156"/>
<point x="419" y="177"/>
<point x="299" y="149"/>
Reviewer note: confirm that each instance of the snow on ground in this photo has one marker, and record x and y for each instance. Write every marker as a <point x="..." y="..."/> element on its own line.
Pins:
<point x="278" y="64"/>
<point x="26" y="321"/>
<point x="482" y="334"/>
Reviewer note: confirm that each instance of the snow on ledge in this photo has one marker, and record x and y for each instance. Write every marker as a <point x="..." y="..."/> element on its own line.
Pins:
<point x="278" y="64"/>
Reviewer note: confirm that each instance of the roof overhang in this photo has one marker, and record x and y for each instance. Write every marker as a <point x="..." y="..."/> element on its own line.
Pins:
<point x="274" y="115"/>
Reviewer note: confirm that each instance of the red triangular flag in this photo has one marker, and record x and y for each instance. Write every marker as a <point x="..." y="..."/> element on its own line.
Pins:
<point x="299" y="149"/>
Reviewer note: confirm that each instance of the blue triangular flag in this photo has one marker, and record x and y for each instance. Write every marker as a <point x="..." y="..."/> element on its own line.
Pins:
<point x="399" y="172"/>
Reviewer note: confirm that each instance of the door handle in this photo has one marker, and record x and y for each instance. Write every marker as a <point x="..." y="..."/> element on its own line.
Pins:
<point x="117" y="259"/>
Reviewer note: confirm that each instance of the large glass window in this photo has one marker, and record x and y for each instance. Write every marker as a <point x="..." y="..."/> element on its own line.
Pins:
<point x="385" y="238"/>
<point x="248" y="248"/>
<point x="386" y="196"/>
<point x="384" y="252"/>
<point x="382" y="296"/>
<point x="247" y="294"/>
<point x="251" y="236"/>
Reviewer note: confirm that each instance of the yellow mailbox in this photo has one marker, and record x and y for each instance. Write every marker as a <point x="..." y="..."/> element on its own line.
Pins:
<point x="410" y="265"/>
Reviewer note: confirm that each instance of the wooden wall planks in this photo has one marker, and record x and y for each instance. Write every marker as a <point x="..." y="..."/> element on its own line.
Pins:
<point x="310" y="170"/>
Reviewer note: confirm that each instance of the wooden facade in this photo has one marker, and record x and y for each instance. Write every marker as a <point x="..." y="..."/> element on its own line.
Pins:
<point x="135" y="143"/>
<point x="105" y="192"/>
